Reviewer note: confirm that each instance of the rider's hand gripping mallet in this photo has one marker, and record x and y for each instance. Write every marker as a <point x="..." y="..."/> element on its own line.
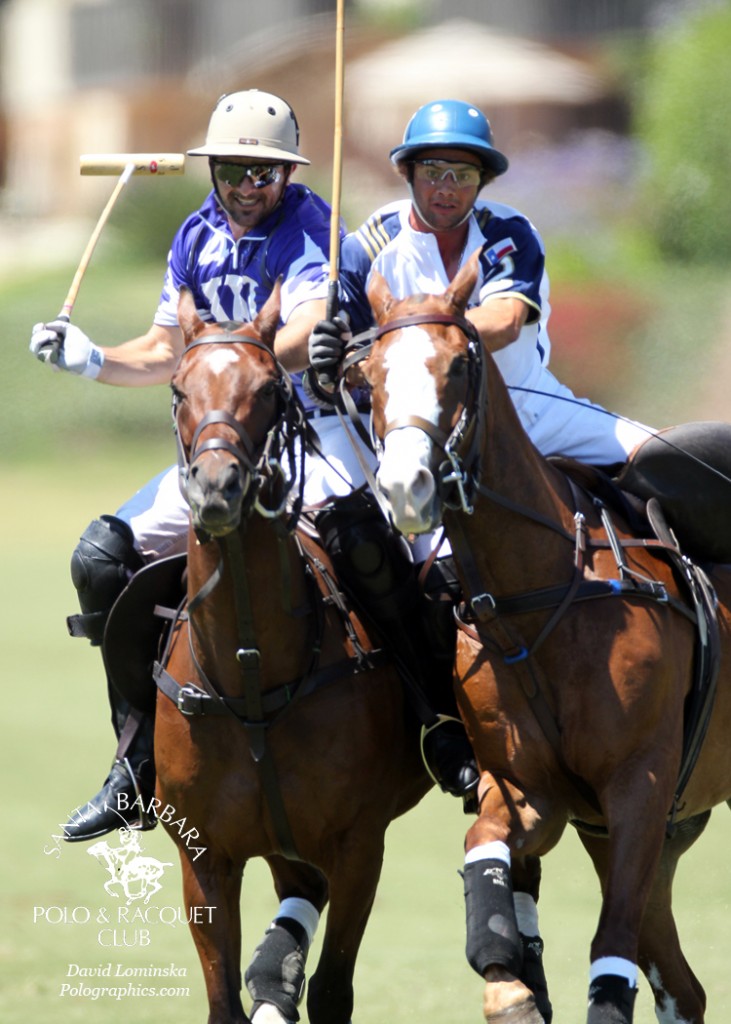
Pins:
<point x="111" y="163"/>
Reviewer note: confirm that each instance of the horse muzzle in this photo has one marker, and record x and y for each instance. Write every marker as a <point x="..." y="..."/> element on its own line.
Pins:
<point x="216" y="490"/>
<point x="411" y="499"/>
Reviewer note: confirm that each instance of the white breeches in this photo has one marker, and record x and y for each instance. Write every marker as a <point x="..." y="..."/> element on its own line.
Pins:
<point x="158" y="513"/>
<point x="558" y="423"/>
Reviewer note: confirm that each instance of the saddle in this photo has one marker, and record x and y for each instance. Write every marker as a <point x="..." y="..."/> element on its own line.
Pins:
<point x="688" y="469"/>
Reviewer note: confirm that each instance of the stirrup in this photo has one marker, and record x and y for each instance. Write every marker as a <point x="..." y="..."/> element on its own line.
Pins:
<point x="148" y="820"/>
<point x="453" y="734"/>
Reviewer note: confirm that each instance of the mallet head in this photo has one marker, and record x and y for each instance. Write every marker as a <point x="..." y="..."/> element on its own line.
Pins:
<point x="145" y="163"/>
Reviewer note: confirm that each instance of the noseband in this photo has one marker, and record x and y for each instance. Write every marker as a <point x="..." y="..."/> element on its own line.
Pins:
<point x="279" y="439"/>
<point x="457" y="474"/>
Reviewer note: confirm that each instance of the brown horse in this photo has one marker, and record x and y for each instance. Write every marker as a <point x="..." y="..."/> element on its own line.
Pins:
<point x="575" y="706"/>
<point x="294" y="744"/>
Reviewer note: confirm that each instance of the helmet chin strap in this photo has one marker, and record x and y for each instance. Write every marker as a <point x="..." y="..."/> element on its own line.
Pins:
<point x="422" y="216"/>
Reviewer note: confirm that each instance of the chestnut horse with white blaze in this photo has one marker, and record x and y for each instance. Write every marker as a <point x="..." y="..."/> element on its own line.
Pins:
<point x="294" y="743"/>
<point x="578" y="644"/>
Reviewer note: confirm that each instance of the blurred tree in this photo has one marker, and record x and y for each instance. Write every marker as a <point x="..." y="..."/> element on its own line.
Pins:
<point x="684" y="124"/>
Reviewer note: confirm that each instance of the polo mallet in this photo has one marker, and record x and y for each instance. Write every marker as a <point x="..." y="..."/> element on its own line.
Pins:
<point x="333" y="294"/>
<point x="102" y="164"/>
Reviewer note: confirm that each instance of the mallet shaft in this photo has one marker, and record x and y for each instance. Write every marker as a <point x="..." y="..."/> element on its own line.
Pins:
<point x="50" y="352"/>
<point x="333" y="290"/>
<point x="144" y="163"/>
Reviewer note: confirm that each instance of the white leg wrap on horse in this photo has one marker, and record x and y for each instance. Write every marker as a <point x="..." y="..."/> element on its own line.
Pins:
<point x="526" y="913"/>
<point x="489" y="851"/>
<point x="303" y="912"/>
<point x="616" y="965"/>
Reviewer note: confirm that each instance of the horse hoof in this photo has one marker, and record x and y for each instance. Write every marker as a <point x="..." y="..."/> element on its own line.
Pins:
<point x="269" y="1014"/>
<point x="522" y="1013"/>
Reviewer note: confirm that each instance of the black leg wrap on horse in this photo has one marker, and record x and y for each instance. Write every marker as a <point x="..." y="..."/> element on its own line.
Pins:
<point x="533" y="974"/>
<point x="276" y="973"/>
<point x="102" y="563"/>
<point x="492" y="930"/>
<point x="611" y="1000"/>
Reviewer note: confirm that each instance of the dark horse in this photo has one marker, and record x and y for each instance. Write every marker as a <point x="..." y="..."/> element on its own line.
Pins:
<point x="293" y="743"/>
<point x="579" y="643"/>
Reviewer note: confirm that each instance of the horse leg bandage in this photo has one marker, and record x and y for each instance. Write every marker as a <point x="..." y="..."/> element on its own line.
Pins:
<point x="532" y="973"/>
<point x="276" y="973"/>
<point x="492" y="930"/>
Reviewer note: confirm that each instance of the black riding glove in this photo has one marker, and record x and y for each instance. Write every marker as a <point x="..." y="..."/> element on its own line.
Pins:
<point x="325" y="347"/>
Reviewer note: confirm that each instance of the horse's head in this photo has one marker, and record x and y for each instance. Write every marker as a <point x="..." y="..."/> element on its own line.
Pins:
<point x="229" y="397"/>
<point x="423" y="372"/>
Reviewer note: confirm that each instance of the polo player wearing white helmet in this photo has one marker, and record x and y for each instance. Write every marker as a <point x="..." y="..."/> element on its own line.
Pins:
<point x="255" y="226"/>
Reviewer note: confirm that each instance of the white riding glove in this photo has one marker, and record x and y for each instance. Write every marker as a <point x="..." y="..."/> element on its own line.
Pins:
<point x="66" y="347"/>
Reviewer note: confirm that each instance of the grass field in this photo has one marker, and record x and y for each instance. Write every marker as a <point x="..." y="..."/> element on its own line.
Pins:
<point x="57" y="745"/>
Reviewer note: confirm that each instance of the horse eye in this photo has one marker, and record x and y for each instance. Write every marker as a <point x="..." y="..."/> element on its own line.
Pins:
<point x="178" y="395"/>
<point x="269" y="388"/>
<point x="458" y="367"/>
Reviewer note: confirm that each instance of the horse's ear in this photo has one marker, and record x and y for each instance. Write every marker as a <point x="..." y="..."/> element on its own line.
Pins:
<point x="267" y="319"/>
<point x="461" y="288"/>
<point x="379" y="296"/>
<point x="190" y="323"/>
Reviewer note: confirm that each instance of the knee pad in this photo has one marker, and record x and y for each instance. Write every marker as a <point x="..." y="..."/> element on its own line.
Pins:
<point x="492" y="930"/>
<point x="369" y="558"/>
<point x="276" y="973"/>
<point x="102" y="563"/>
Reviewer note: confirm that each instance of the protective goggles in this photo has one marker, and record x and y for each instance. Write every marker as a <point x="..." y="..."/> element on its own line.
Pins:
<point x="433" y="172"/>
<point x="260" y="175"/>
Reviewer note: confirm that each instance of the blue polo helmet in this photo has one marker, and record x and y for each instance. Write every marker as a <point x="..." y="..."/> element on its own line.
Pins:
<point x="450" y="124"/>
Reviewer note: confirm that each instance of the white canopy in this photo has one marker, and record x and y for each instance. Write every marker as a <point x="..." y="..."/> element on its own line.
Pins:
<point x="462" y="60"/>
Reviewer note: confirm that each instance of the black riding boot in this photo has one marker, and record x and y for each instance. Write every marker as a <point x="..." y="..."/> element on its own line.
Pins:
<point x="374" y="566"/>
<point x="101" y="566"/>
<point x="124" y="799"/>
<point x="445" y="748"/>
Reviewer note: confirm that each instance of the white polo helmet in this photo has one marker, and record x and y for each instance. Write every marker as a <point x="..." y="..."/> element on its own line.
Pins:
<point x="253" y="124"/>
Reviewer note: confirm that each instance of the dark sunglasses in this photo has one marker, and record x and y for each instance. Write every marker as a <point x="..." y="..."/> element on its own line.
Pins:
<point x="260" y="175"/>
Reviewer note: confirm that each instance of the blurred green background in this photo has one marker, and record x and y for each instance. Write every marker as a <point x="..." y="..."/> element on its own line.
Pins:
<point x="640" y="323"/>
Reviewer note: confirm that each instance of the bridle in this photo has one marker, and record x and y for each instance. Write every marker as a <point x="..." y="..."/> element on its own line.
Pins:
<point x="458" y="474"/>
<point x="276" y="458"/>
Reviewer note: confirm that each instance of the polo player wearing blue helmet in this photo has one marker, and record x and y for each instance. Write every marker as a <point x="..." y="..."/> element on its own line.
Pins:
<point x="418" y="245"/>
<point x="446" y="158"/>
